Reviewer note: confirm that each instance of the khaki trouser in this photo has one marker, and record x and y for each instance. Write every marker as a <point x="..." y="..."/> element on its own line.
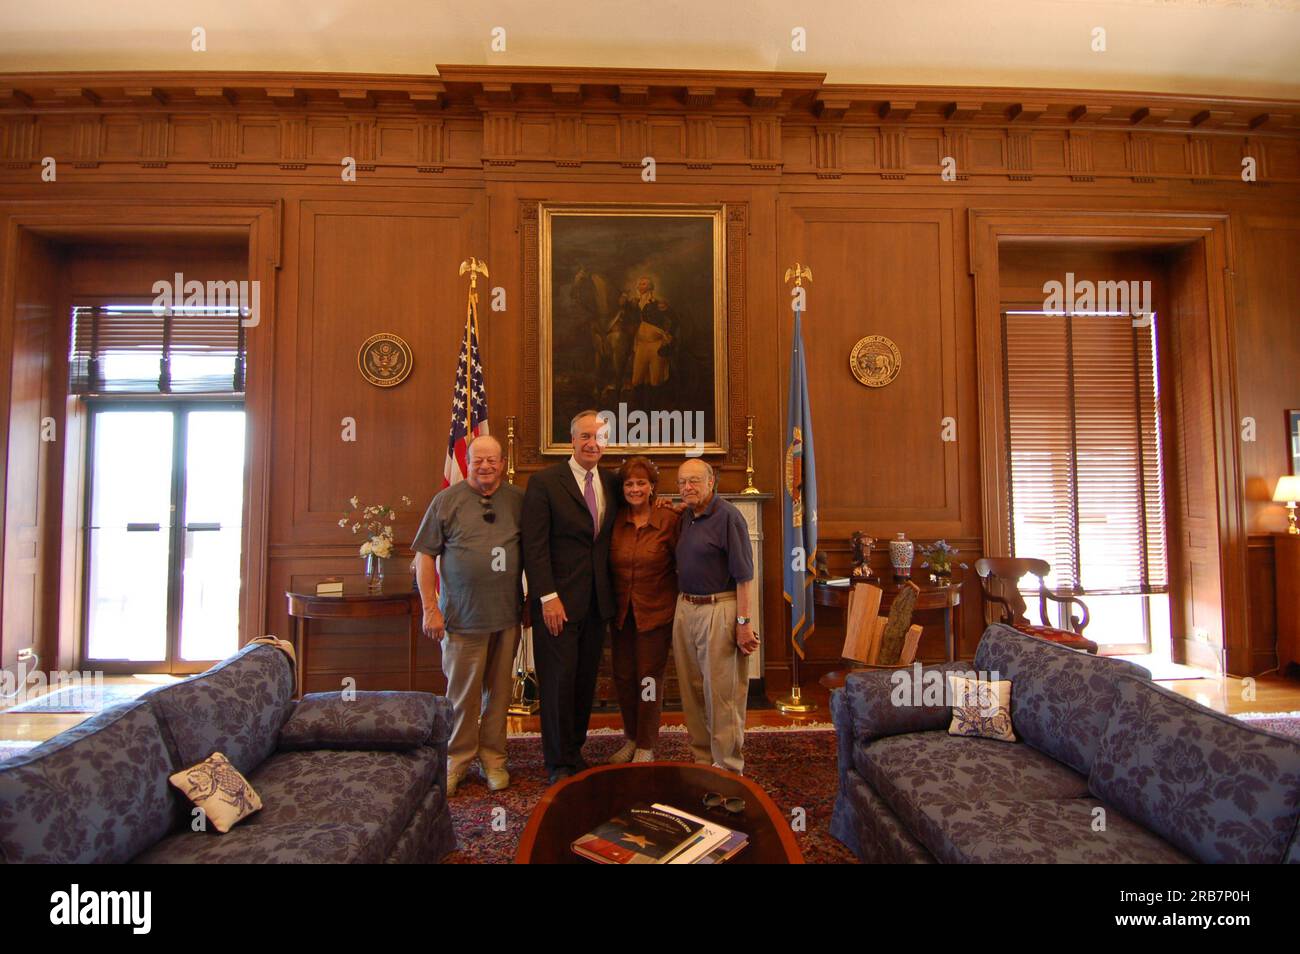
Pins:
<point x="480" y="671"/>
<point x="713" y="676"/>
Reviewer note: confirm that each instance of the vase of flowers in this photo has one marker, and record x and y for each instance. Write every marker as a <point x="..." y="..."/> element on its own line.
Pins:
<point x="938" y="560"/>
<point x="377" y="521"/>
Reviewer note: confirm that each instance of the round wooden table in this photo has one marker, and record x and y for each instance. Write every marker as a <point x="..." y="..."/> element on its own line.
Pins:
<point x="574" y="806"/>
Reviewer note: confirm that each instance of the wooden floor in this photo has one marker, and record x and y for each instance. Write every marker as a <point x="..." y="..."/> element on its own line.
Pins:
<point x="1272" y="694"/>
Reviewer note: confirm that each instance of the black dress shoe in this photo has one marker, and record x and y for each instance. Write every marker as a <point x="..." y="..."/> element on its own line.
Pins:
<point x="560" y="773"/>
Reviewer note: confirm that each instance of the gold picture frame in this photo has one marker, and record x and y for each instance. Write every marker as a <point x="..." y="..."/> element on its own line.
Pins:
<point x="599" y="335"/>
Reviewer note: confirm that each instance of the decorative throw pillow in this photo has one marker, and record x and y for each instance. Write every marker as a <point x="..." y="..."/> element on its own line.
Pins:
<point x="216" y="786"/>
<point x="980" y="708"/>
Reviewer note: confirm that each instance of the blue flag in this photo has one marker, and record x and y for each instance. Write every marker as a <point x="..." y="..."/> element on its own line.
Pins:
<point x="799" y="499"/>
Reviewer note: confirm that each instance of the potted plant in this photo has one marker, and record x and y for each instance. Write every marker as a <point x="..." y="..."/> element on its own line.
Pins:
<point x="938" y="560"/>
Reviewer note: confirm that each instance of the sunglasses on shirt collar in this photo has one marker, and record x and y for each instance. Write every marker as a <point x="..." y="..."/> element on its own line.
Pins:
<point x="489" y="515"/>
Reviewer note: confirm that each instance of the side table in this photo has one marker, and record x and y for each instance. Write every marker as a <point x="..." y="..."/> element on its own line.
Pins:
<point x="384" y="669"/>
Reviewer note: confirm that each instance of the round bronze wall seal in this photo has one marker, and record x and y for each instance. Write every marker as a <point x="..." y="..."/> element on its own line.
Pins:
<point x="875" y="361"/>
<point x="384" y="360"/>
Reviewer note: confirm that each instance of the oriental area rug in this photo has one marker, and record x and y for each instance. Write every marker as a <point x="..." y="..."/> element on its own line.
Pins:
<point x="796" y="767"/>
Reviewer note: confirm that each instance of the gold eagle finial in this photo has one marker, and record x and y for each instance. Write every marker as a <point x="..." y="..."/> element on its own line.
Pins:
<point x="799" y="273"/>
<point x="475" y="267"/>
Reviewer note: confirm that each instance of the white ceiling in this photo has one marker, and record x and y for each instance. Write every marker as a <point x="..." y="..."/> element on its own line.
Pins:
<point x="1219" y="47"/>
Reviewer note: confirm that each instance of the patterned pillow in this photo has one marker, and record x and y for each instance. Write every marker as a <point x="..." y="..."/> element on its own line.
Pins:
<point x="980" y="708"/>
<point x="216" y="786"/>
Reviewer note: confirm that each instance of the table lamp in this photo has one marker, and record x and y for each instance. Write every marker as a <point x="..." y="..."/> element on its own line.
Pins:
<point x="1288" y="492"/>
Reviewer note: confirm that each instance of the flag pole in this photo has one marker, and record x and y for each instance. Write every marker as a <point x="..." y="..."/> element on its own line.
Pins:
<point x="475" y="267"/>
<point x="794" y="703"/>
<point x="523" y="696"/>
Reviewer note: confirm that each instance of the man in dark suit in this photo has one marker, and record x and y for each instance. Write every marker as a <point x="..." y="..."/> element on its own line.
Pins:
<point x="568" y="519"/>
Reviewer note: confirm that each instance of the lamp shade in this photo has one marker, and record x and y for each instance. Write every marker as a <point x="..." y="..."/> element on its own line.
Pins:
<point x="1287" y="490"/>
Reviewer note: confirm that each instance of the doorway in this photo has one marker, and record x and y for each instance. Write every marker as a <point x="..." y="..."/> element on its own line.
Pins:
<point x="1082" y="394"/>
<point x="66" y="253"/>
<point x="1185" y="259"/>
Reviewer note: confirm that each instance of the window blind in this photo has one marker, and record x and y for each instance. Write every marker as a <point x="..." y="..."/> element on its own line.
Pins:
<point x="121" y="346"/>
<point x="1086" y="488"/>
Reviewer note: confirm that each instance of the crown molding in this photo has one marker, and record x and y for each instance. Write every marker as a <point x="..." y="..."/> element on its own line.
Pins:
<point x="507" y="121"/>
<point x="798" y="97"/>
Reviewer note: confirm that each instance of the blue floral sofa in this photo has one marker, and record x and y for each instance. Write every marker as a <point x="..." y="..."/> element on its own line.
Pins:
<point x="1109" y="768"/>
<point x="341" y="780"/>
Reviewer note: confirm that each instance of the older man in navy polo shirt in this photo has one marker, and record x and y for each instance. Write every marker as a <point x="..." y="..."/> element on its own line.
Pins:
<point x="713" y="634"/>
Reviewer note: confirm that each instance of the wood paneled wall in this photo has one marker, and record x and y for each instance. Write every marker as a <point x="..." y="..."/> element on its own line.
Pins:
<point x="846" y="179"/>
<point x="358" y="263"/>
<point x="32" y="487"/>
<point x="1268" y="378"/>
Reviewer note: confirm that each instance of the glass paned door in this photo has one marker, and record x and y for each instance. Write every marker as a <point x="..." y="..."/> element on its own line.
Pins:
<point x="162" y="594"/>
<point x="130" y="532"/>
<point x="214" y="499"/>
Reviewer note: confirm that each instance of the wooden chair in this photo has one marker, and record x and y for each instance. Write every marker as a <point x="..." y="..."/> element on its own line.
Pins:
<point x="1000" y="583"/>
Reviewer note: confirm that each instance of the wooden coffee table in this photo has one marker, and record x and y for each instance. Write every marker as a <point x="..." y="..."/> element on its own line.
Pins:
<point x="573" y="807"/>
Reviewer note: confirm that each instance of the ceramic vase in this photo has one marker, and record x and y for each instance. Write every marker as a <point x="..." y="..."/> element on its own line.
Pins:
<point x="901" y="554"/>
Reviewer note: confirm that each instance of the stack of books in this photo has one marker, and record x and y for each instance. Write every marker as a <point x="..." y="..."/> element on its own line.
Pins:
<point x="659" y="835"/>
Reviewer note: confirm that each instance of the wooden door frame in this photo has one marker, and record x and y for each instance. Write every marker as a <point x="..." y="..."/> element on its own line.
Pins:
<point x="989" y="228"/>
<point x="262" y="222"/>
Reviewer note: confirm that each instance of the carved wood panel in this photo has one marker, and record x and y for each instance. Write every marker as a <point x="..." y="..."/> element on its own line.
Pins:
<point x="364" y="268"/>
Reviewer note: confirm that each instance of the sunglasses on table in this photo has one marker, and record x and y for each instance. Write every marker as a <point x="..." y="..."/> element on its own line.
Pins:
<point x="715" y="801"/>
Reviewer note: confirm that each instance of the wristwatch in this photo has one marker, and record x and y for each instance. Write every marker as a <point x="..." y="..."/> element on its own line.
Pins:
<point x="743" y="620"/>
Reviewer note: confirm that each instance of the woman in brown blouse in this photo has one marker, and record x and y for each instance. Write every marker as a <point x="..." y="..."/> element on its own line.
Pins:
<point x="642" y="556"/>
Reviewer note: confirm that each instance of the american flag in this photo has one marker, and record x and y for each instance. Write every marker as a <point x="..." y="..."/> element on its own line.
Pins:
<point x="469" y="410"/>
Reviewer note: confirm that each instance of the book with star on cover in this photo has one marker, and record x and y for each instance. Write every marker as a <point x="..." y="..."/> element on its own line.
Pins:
<point x="728" y="843"/>
<point x="642" y="835"/>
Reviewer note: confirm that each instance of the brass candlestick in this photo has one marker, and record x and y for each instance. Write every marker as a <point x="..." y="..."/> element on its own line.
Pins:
<point x="510" y="449"/>
<point x="749" y="456"/>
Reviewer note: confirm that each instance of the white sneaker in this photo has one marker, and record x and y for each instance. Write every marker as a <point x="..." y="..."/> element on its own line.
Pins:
<point x="497" y="779"/>
<point x="644" y="755"/>
<point x="624" y="754"/>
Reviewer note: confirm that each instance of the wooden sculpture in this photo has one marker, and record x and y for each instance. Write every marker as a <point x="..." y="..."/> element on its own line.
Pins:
<point x="874" y="640"/>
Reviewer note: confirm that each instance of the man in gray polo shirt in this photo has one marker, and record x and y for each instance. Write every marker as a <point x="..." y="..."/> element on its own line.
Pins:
<point x="713" y="633"/>
<point x="473" y="605"/>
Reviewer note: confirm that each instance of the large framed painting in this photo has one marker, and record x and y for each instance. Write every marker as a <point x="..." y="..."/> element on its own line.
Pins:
<point x="1293" y="439"/>
<point x="633" y="323"/>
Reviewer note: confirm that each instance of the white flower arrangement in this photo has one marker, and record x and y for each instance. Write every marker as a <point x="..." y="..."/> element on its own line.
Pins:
<point x="377" y="519"/>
